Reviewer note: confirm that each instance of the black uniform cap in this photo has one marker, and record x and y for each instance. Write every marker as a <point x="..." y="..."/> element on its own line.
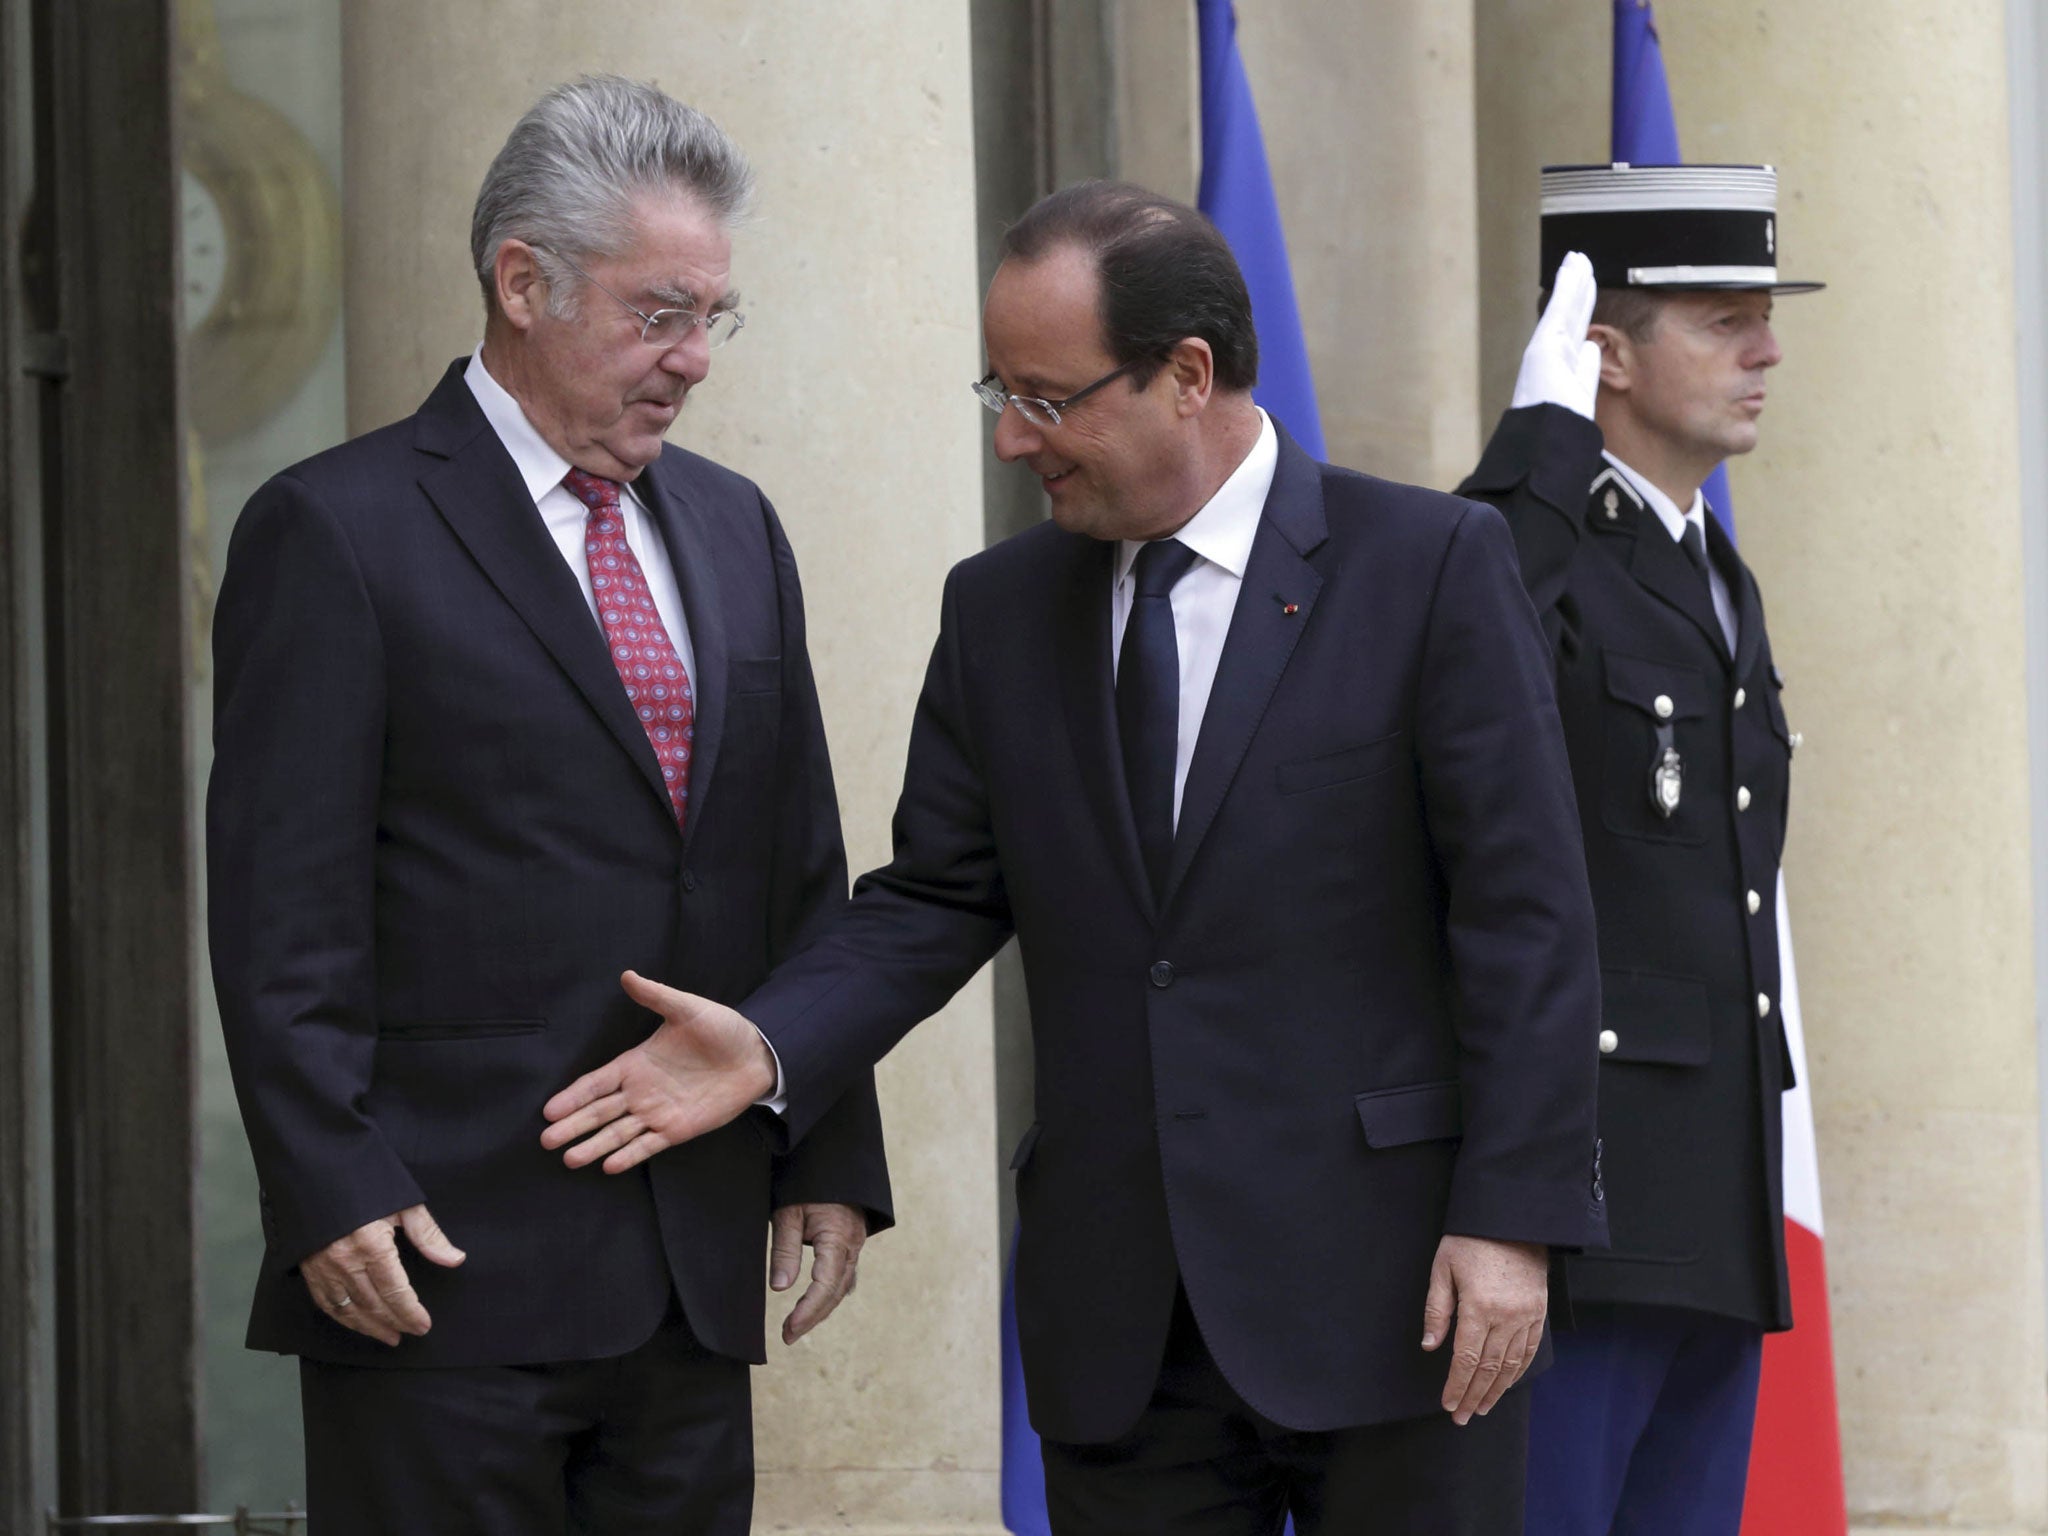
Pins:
<point x="1666" y="226"/>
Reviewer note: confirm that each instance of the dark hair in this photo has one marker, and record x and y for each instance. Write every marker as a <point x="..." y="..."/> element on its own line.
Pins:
<point x="1167" y="274"/>
<point x="1632" y="311"/>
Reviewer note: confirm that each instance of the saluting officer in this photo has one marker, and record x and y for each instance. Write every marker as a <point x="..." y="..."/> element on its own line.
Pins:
<point x="1646" y="371"/>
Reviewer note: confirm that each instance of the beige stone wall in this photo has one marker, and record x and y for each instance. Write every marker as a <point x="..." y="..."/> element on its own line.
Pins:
<point x="1368" y="119"/>
<point x="1883" y="516"/>
<point x="846" y="398"/>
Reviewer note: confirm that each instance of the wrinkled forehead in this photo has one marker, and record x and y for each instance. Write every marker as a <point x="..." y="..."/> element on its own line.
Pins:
<point x="1044" y="312"/>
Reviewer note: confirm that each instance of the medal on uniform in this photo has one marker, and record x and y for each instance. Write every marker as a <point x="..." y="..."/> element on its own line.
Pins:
<point x="1667" y="775"/>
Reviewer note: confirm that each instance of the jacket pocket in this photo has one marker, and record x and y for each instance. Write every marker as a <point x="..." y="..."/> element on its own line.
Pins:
<point x="756" y="674"/>
<point x="1654" y="707"/>
<point x="407" y="1031"/>
<point x="1342" y="766"/>
<point x="1655" y="1019"/>
<point x="1395" y="1117"/>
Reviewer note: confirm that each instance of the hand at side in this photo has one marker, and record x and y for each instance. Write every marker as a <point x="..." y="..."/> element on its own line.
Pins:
<point x="360" y="1281"/>
<point x="701" y="1068"/>
<point x="835" y="1234"/>
<point x="1500" y="1293"/>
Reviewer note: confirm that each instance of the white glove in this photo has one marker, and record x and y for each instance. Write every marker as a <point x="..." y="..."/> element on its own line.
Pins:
<point x="1560" y="366"/>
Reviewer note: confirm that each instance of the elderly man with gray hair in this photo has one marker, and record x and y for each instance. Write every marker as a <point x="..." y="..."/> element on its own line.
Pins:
<point x="513" y="697"/>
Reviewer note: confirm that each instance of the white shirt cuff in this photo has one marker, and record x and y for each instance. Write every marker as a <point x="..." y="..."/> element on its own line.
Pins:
<point x="778" y="1101"/>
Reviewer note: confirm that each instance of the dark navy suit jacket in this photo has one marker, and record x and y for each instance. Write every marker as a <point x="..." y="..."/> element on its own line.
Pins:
<point x="1361" y="1017"/>
<point x="437" y="833"/>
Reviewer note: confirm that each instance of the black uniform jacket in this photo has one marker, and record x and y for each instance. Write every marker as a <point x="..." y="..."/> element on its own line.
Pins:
<point x="1693" y="1055"/>
<point x="436" y="833"/>
<point x="1361" y="1016"/>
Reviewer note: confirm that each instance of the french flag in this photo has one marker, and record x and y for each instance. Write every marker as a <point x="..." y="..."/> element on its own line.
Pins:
<point x="1795" y="1461"/>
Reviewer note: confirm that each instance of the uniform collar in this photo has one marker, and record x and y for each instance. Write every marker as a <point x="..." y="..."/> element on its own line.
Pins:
<point x="1674" y="521"/>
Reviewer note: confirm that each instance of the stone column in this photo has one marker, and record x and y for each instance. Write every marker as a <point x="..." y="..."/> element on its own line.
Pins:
<point x="1882" y="513"/>
<point x="1368" y="120"/>
<point x="847" y="400"/>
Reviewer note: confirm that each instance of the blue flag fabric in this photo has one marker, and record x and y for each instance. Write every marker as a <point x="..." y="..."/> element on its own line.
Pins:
<point x="1646" y="133"/>
<point x="1023" y="1473"/>
<point x="1237" y="195"/>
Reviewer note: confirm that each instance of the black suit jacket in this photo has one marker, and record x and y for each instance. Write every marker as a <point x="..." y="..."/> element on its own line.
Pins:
<point x="437" y="833"/>
<point x="1362" y="1015"/>
<point x="1689" y="1093"/>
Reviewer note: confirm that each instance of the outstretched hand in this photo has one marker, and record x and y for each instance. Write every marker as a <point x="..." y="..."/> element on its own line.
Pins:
<point x="701" y="1068"/>
<point x="1561" y="366"/>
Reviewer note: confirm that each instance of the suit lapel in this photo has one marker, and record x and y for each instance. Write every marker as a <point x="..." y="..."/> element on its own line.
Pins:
<point x="1656" y="560"/>
<point x="1749" y="605"/>
<point x="1087" y="688"/>
<point x="686" y="532"/>
<point x="476" y="488"/>
<point x="1261" y="639"/>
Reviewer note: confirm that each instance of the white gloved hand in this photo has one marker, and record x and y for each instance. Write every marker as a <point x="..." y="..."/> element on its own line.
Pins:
<point x="1560" y="366"/>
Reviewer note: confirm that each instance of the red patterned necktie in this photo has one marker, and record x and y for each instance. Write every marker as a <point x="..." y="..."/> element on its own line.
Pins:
<point x="657" y="686"/>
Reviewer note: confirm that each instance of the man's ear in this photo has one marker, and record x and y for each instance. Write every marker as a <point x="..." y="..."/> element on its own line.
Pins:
<point x="1193" y="369"/>
<point x="1617" y="355"/>
<point x="522" y="287"/>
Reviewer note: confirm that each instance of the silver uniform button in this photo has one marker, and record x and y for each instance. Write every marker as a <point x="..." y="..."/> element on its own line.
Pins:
<point x="1662" y="705"/>
<point x="1741" y="698"/>
<point x="1609" y="1042"/>
<point x="1763" y="1005"/>
<point x="1742" y="798"/>
<point x="1756" y="903"/>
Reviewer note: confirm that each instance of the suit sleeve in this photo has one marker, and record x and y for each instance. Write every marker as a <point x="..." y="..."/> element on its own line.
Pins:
<point x="916" y="930"/>
<point x="1526" y="983"/>
<point x="1535" y="472"/>
<point x="841" y="1160"/>
<point x="291" y="826"/>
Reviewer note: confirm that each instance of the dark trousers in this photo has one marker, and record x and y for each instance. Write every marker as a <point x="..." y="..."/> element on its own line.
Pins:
<point x="656" y="1441"/>
<point x="1642" y="1426"/>
<point x="1203" y="1462"/>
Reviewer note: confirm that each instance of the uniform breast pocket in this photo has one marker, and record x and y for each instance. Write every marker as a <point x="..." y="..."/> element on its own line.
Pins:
<point x="1656" y="746"/>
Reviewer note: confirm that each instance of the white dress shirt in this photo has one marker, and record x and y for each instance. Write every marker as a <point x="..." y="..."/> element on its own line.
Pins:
<point x="567" y="518"/>
<point x="1674" y="522"/>
<point x="1203" y="600"/>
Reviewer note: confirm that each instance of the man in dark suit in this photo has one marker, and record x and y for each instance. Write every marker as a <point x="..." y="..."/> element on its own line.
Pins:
<point x="1681" y="753"/>
<point x="512" y="696"/>
<point x="1258" y="759"/>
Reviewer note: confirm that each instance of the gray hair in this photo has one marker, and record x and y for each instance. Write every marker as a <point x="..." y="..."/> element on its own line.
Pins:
<point x="573" y="167"/>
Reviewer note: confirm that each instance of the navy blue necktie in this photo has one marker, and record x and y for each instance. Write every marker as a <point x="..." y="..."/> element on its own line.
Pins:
<point x="1148" y="700"/>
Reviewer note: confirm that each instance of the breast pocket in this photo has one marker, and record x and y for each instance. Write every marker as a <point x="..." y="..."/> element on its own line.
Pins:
<point x="1656" y="749"/>
<point x="1344" y="766"/>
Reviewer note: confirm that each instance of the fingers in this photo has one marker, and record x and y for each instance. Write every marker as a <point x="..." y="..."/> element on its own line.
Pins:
<point x="359" y="1281"/>
<point x="637" y="1151"/>
<point x="786" y="1247"/>
<point x="832" y="1278"/>
<point x="1436" y="1307"/>
<point x="608" y="1138"/>
<point x="587" y="1092"/>
<point x="1515" y="1362"/>
<point x="1468" y="1352"/>
<point x="1572" y="296"/>
<point x="656" y="998"/>
<point x="426" y="1236"/>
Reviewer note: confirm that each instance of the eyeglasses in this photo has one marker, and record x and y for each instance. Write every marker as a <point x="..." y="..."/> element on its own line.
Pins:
<point x="1043" y="413"/>
<point x="666" y="328"/>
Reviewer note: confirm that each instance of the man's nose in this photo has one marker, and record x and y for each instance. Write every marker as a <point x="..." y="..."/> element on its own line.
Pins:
<point x="689" y="356"/>
<point x="1765" y="353"/>
<point x="1015" y="435"/>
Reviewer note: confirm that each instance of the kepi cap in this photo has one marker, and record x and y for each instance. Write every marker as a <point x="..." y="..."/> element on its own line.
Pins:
<point x="1666" y="226"/>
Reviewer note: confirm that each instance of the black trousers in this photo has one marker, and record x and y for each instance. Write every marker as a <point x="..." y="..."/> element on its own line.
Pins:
<point x="1203" y="1462"/>
<point x="660" y="1440"/>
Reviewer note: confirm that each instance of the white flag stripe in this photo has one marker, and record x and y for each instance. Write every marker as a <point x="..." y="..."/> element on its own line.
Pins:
<point x="1802" y="1162"/>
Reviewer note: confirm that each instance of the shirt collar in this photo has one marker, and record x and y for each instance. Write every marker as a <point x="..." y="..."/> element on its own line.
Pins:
<point x="1674" y="521"/>
<point x="539" y="465"/>
<point x="1222" y="532"/>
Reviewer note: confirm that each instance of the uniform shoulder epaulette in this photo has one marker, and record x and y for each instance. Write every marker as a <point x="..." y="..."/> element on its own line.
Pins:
<point x="1611" y="500"/>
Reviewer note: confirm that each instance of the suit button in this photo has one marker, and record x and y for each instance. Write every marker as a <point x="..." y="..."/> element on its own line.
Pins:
<point x="1610" y="1042"/>
<point x="1162" y="973"/>
<point x="1662" y="704"/>
<point x="1756" y="903"/>
<point x="1763" y="1005"/>
<point x="1742" y="798"/>
<point x="1741" y="698"/>
<point x="689" y="880"/>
